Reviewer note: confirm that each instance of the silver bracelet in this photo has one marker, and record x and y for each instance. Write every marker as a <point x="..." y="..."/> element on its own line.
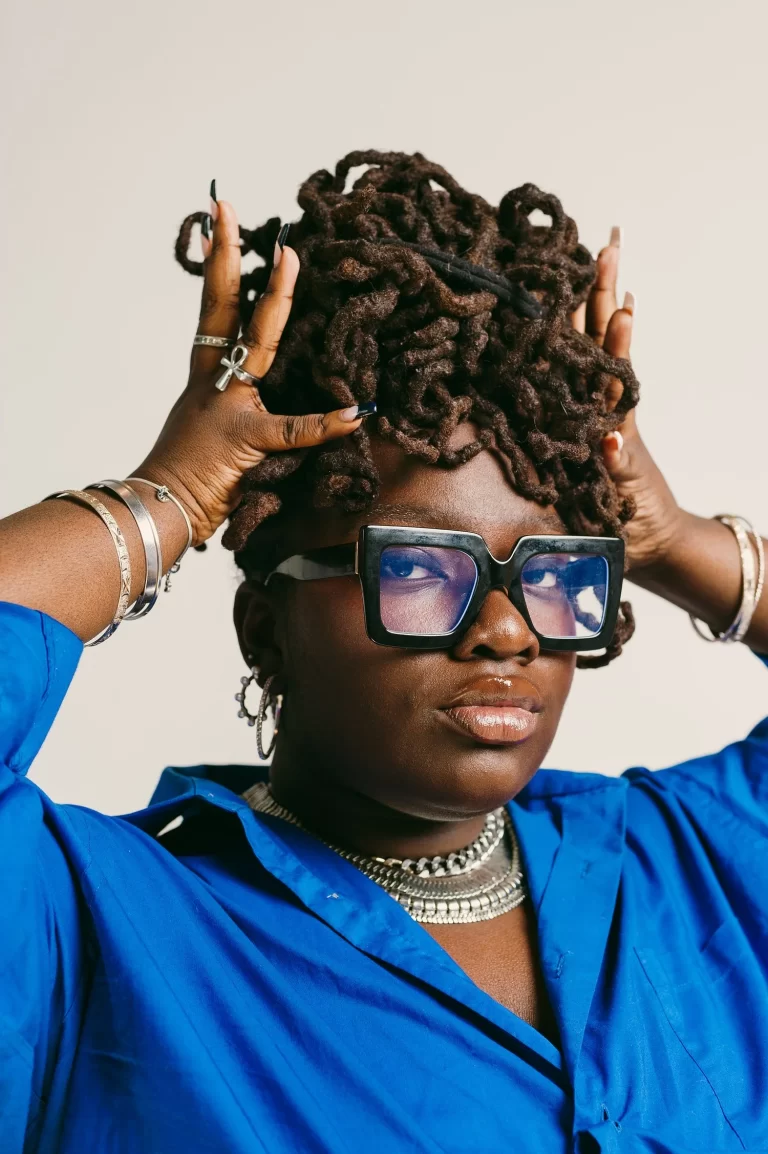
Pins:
<point x="163" y="493"/>
<point x="122" y="556"/>
<point x="153" y="558"/>
<point x="751" y="581"/>
<point x="757" y="590"/>
<point x="760" y="567"/>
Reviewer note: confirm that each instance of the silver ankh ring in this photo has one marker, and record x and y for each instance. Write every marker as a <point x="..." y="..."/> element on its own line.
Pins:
<point x="233" y="365"/>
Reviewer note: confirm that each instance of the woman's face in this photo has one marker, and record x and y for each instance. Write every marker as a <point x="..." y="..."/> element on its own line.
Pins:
<point x="432" y="734"/>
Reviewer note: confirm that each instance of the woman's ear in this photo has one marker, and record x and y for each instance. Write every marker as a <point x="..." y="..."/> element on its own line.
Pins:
<point x="256" y="626"/>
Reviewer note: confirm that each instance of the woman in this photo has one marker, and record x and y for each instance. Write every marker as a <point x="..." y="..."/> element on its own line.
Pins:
<point x="404" y="935"/>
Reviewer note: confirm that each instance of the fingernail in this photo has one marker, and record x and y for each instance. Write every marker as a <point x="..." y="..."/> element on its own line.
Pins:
<point x="205" y="235"/>
<point x="355" y="411"/>
<point x="616" y="236"/>
<point x="280" y="245"/>
<point x="618" y="439"/>
<point x="214" y="203"/>
<point x="630" y="304"/>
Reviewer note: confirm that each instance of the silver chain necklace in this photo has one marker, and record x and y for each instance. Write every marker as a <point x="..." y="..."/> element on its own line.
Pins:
<point x="482" y="881"/>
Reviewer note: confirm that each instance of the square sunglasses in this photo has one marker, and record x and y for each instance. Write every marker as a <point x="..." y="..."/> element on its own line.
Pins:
<point x="424" y="588"/>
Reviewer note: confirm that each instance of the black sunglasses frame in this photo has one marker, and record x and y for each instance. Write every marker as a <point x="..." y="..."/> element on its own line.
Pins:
<point x="364" y="559"/>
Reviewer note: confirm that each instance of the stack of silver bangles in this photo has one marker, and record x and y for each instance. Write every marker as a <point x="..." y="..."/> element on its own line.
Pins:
<point x="752" y="580"/>
<point x="149" y="536"/>
<point x="144" y="521"/>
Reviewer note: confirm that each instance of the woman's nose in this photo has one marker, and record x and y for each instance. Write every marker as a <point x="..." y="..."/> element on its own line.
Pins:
<point x="498" y="632"/>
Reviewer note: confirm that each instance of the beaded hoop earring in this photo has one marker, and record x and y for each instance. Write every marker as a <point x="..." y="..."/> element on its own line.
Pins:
<point x="264" y="703"/>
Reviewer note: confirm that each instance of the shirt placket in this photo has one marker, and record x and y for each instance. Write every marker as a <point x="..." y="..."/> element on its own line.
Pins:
<point x="372" y="921"/>
<point x="575" y="905"/>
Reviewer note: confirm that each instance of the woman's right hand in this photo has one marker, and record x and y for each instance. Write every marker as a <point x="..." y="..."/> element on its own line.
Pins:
<point x="212" y="438"/>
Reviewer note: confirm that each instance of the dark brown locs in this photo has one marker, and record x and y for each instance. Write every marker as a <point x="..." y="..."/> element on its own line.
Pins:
<point x="378" y="321"/>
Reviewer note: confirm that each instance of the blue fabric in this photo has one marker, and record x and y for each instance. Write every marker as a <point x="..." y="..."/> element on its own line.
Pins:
<point x="251" y="991"/>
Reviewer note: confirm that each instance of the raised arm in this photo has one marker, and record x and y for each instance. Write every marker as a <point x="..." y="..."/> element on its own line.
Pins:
<point x="701" y="572"/>
<point x="694" y="562"/>
<point x="58" y="557"/>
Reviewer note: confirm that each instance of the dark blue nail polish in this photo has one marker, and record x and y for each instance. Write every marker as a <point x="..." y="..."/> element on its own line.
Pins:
<point x="205" y="226"/>
<point x="282" y="236"/>
<point x="213" y="190"/>
<point x="367" y="409"/>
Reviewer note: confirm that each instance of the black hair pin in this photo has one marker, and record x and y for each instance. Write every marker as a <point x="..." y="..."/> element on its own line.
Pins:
<point x="474" y="276"/>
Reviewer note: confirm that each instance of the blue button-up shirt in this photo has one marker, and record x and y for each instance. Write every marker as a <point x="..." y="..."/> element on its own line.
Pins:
<point x="244" y="989"/>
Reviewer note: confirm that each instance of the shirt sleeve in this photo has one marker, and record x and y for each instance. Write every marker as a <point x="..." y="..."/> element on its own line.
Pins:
<point x="41" y="931"/>
<point x="38" y="659"/>
<point x="723" y="799"/>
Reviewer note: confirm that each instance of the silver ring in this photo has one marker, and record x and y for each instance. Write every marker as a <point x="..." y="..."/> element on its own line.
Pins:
<point x="241" y="373"/>
<point x="233" y="365"/>
<point x="213" y="342"/>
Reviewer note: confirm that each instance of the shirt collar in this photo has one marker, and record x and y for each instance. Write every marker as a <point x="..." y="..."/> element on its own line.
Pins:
<point x="570" y="828"/>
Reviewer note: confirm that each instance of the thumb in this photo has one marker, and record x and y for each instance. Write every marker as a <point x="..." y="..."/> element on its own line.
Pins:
<point x="274" y="433"/>
<point x="615" y="455"/>
<point x="624" y="452"/>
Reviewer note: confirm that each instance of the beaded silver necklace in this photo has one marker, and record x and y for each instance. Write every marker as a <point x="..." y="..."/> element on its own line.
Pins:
<point x="482" y="881"/>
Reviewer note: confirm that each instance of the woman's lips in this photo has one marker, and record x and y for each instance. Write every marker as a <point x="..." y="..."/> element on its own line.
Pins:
<point x="498" y="724"/>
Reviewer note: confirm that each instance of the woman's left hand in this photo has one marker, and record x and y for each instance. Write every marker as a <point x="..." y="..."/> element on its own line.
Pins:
<point x="627" y="459"/>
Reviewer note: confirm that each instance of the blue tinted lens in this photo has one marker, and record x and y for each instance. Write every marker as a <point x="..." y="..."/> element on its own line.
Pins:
<point x="424" y="589"/>
<point x="566" y="594"/>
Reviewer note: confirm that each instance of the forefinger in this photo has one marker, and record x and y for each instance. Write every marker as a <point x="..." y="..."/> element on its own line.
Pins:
<point x="271" y="313"/>
<point x="618" y="339"/>
<point x="602" y="299"/>
<point x="220" y="306"/>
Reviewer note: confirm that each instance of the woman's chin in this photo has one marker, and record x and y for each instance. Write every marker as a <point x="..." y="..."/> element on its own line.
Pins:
<point x="472" y="782"/>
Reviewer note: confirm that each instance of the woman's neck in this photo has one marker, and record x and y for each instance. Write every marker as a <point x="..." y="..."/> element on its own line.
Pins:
<point x="352" y="821"/>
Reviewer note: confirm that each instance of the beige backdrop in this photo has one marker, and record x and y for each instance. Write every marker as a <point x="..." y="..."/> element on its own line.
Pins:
<point x="117" y="116"/>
